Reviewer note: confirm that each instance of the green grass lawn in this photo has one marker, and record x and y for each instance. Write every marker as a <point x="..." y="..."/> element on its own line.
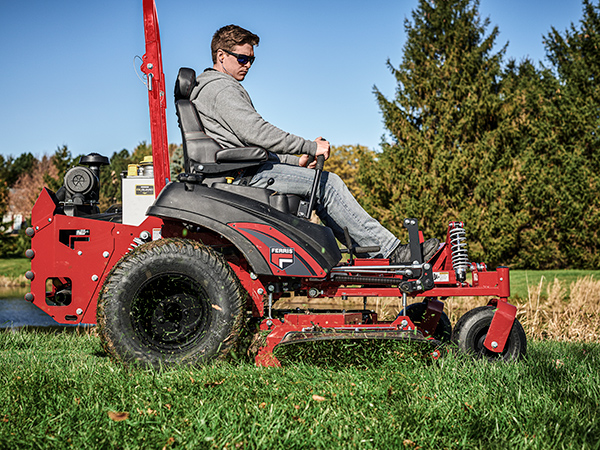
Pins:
<point x="520" y="279"/>
<point x="59" y="390"/>
<point x="14" y="267"/>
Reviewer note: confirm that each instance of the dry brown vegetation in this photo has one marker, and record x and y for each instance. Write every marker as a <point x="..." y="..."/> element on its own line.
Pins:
<point x="551" y="311"/>
<point x="27" y="189"/>
<point x="11" y="282"/>
<point x="554" y="313"/>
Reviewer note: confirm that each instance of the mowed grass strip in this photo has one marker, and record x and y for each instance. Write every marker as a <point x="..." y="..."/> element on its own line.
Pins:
<point x="14" y="267"/>
<point x="523" y="281"/>
<point x="12" y="272"/>
<point x="59" y="390"/>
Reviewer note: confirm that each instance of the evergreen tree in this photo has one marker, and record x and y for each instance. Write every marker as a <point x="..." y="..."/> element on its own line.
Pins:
<point x="513" y="152"/>
<point x="176" y="159"/>
<point x="23" y="163"/>
<point x="531" y="193"/>
<point x="575" y="58"/>
<point x="110" y="179"/>
<point x="4" y="186"/>
<point x="142" y="150"/>
<point x="575" y="55"/>
<point x="441" y="122"/>
<point x="62" y="161"/>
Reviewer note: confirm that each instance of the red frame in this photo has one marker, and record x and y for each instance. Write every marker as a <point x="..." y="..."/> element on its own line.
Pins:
<point x="484" y="283"/>
<point x="85" y="261"/>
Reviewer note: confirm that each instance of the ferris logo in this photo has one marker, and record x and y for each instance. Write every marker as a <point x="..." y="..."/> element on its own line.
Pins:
<point x="282" y="257"/>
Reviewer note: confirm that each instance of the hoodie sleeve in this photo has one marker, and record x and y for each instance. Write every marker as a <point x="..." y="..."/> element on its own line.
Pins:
<point x="237" y="112"/>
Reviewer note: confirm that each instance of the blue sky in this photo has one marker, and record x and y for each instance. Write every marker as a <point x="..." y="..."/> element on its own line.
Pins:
<point x="68" y="75"/>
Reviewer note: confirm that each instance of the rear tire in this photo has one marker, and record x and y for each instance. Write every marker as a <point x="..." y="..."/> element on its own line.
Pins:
<point x="170" y="301"/>
<point x="471" y="330"/>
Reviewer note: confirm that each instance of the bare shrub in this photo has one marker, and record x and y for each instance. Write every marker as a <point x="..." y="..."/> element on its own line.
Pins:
<point x="27" y="188"/>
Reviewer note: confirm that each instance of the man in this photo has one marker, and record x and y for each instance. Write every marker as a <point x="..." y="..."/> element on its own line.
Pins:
<point x="229" y="117"/>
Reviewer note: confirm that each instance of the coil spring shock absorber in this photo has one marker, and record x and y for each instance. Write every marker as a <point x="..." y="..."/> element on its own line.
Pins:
<point x="458" y="248"/>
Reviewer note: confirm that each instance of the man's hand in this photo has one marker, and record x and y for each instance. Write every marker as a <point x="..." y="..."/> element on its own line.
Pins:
<point x="323" y="148"/>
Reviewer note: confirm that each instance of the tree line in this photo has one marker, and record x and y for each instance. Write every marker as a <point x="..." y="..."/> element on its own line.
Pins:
<point x="509" y="147"/>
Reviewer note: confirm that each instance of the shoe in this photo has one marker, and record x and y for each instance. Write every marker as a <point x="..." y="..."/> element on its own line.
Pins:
<point x="402" y="253"/>
<point x="430" y="247"/>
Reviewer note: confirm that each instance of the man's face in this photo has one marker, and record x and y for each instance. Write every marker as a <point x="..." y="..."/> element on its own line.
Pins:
<point x="229" y="64"/>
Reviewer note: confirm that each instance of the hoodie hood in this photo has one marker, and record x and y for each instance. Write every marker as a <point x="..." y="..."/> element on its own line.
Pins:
<point x="210" y="75"/>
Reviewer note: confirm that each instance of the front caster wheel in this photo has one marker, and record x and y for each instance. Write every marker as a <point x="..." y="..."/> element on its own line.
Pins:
<point x="471" y="330"/>
<point x="170" y="301"/>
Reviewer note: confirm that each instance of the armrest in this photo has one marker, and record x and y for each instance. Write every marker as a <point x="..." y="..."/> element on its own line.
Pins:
<point x="241" y="154"/>
<point x="229" y="159"/>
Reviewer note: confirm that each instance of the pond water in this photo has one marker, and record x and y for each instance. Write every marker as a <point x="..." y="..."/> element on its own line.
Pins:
<point x="16" y="312"/>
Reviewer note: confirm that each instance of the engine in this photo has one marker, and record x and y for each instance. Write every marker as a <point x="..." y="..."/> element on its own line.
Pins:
<point x="81" y="190"/>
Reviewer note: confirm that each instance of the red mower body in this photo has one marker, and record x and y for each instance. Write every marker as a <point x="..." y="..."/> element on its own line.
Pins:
<point x="71" y="257"/>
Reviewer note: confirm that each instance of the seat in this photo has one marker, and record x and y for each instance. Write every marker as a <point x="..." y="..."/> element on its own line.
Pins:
<point x="207" y="162"/>
<point x="202" y="154"/>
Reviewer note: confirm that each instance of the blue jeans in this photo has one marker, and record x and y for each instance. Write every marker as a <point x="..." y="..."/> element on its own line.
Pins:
<point x="336" y="206"/>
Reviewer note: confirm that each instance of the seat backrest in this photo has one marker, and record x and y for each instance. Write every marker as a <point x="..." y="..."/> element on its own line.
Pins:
<point x="203" y="155"/>
<point x="197" y="146"/>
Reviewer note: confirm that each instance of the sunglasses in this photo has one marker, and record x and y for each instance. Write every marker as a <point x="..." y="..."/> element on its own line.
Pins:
<point x="241" y="59"/>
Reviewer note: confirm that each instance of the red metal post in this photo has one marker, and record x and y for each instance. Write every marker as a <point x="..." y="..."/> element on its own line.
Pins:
<point x="153" y="68"/>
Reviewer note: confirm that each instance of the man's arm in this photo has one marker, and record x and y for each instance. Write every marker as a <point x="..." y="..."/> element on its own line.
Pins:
<point x="241" y="117"/>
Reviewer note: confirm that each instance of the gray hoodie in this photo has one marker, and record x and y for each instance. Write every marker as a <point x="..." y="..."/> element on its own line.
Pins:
<point x="229" y="117"/>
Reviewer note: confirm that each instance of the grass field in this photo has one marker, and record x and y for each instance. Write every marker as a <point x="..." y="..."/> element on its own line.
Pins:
<point x="12" y="271"/>
<point x="59" y="390"/>
<point x="522" y="280"/>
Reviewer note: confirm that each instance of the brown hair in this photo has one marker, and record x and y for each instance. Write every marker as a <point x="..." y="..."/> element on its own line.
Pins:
<point x="228" y="37"/>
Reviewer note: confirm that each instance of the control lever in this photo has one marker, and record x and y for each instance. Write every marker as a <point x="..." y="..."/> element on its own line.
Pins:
<point x="306" y="208"/>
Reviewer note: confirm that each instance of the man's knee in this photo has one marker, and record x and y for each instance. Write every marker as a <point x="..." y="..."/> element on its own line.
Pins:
<point x="334" y="182"/>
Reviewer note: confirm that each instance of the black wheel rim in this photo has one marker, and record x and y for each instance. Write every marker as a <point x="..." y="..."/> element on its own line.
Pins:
<point x="170" y="312"/>
<point x="481" y="350"/>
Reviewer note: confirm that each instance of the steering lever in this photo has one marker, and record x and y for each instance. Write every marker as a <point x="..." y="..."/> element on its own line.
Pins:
<point x="306" y="208"/>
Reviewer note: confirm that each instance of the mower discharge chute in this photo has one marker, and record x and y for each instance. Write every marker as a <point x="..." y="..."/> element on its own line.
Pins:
<point x="178" y="283"/>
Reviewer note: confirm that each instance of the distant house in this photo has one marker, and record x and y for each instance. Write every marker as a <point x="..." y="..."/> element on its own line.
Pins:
<point x="12" y="223"/>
